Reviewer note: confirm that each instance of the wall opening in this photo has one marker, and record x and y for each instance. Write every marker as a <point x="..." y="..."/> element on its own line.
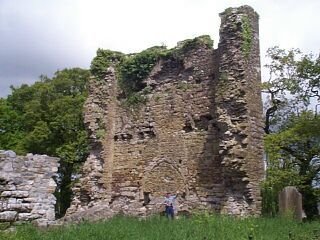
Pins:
<point x="146" y="198"/>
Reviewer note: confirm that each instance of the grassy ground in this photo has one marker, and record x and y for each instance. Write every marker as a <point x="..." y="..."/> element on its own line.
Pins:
<point x="195" y="228"/>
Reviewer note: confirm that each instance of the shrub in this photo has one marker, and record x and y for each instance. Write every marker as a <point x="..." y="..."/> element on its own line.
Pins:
<point x="135" y="68"/>
<point x="103" y="60"/>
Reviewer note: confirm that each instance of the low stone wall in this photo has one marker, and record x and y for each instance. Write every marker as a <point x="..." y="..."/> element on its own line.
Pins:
<point x="26" y="188"/>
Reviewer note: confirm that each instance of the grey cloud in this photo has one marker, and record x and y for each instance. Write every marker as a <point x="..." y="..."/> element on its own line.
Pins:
<point x="33" y="44"/>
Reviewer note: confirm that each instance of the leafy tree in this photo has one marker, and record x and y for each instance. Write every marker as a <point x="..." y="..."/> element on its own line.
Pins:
<point x="294" y="81"/>
<point x="47" y="118"/>
<point x="294" y="158"/>
<point x="293" y="133"/>
<point x="10" y="127"/>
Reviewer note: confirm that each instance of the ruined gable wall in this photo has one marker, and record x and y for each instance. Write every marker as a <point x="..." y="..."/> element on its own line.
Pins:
<point x="26" y="188"/>
<point x="163" y="146"/>
<point x="199" y="133"/>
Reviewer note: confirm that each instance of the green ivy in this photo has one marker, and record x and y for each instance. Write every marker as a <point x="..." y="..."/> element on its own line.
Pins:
<point x="132" y="69"/>
<point x="101" y="133"/>
<point x="103" y="60"/>
<point x="183" y="86"/>
<point x="135" y="68"/>
<point x="228" y="11"/>
<point x="192" y="43"/>
<point x="135" y="99"/>
<point x="246" y="36"/>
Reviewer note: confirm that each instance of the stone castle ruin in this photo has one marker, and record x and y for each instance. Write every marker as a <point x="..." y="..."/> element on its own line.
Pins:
<point x="199" y="132"/>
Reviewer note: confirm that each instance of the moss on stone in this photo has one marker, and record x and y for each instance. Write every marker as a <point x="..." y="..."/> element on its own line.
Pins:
<point x="100" y="133"/>
<point x="246" y="36"/>
<point x="192" y="43"/>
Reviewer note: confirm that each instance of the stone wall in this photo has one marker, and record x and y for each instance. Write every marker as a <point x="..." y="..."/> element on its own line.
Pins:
<point x="26" y="188"/>
<point x="200" y="132"/>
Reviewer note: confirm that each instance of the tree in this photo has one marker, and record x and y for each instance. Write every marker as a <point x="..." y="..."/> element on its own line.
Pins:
<point x="294" y="158"/>
<point x="10" y="127"/>
<point x="47" y="118"/>
<point x="293" y="132"/>
<point x="294" y="81"/>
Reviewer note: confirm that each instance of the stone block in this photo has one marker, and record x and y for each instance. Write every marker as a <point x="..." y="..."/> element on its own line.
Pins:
<point x="290" y="203"/>
<point x="6" y="167"/>
<point x="27" y="216"/>
<point x="50" y="214"/>
<point x="40" y="223"/>
<point x="8" y="216"/>
<point x="20" y="194"/>
<point x="6" y="194"/>
<point x="10" y="153"/>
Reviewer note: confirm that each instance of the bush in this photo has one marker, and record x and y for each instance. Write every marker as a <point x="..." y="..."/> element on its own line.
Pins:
<point x="103" y="60"/>
<point x="191" y="43"/>
<point x="135" y="68"/>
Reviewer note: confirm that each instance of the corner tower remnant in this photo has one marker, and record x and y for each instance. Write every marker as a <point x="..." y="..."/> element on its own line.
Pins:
<point x="199" y="132"/>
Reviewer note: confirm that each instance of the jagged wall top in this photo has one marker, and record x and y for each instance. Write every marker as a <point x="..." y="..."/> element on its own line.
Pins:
<point x="199" y="131"/>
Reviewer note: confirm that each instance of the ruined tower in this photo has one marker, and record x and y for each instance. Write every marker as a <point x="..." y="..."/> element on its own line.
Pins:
<point x="199" y="132"/>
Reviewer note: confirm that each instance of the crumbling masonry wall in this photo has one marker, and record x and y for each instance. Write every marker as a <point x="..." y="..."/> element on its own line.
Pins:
<point x="200" y="132"/>
<point x="26" y="188"/>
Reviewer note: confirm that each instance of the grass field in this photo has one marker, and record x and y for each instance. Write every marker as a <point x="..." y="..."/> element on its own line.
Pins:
<point x="202" y="227"/>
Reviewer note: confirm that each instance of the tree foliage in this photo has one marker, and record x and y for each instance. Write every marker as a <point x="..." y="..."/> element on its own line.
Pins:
<point x="103" y="60"/>
<point x="136" y="67"/>
<point x="294" y="82"/>
<point x="293" y="132"/>
<point x="294" y="158"/>
<point x="47" y="118"/>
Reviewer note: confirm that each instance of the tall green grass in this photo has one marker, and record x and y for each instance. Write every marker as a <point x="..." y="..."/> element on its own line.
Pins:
<point x="199" y="227"/>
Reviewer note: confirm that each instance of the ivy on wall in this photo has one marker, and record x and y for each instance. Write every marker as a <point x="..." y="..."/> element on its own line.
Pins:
<point x="246" y="36"/>
<point x="136" y="67"/>
<point x="132" y="69"/>
<point x="103" y="60"/>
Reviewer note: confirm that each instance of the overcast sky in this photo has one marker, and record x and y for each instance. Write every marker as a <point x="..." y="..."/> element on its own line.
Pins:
<point x="39" y="37"/>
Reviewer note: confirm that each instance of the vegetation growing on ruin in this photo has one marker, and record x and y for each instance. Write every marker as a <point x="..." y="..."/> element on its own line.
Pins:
<point x="187" y="44"/>
<point x="197" y="227"/>
<point x="223" y="84"/>
<point x="135" y="99"/>
<point x="184" y="86"/>
<point x="246" y="36"/>
<point x="101" y="131"/>
<point x="133" y="69"/>
<point x="103" y="60"/>
<point x="228" y="10"/>
<point x="136" y="67"/>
